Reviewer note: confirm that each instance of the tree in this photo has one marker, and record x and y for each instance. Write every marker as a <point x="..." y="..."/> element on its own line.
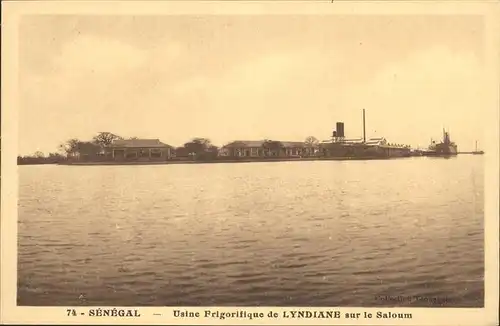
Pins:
<point x="55" y="155"/>
<point x="88" y="148"/>
<point x="181" y="152"/>
<point x="199" y="148"/>
<point x="211" y="152"/>
<point x="205" y="142"/>
<point x="75" y="146"/>
<point x="70" y="147"/>
<point x="272" y="147"/>
<point x="198" y="145"/>
<point x="39" y="154"/>
<point x="311" y="141"/>
<point x="311" y="144"/>
<point x="105" y="138"/>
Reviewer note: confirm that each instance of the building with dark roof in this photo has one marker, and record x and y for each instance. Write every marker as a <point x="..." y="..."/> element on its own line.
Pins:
<point x="139" y="150"/>
<point x="263" y="148"/>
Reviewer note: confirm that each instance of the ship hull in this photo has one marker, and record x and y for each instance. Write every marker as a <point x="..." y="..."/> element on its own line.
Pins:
<point x="443" y="150"/>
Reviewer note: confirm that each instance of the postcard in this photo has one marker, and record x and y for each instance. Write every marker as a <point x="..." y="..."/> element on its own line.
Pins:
<point x="250" y="163"/>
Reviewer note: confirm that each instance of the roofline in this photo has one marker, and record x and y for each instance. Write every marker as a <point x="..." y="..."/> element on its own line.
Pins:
<point x="125" y="146"/>
<point x="263" y="141"/>
<point x="129" y="143"/>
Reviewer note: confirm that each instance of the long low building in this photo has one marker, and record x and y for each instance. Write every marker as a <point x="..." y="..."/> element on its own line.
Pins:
<point x="139" y="149"/>
<point x="126" y="150"/>
<point x="356" y="147"/>
<point x="265" y="148"/>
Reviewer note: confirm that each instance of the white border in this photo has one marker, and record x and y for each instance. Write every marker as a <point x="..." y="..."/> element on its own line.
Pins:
<point x="11" y="13"/>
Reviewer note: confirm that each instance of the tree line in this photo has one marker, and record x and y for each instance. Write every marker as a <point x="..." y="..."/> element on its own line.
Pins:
<point x="70" y="148"/>
<point x="200" y="148"/>
<point x="197" y="148"/>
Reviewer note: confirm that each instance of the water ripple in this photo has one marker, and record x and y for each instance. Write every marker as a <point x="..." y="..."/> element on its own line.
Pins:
<point x="301" y="234"/>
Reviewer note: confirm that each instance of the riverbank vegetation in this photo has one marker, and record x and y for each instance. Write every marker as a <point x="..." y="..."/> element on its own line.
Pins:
<point x="196" y="149"/>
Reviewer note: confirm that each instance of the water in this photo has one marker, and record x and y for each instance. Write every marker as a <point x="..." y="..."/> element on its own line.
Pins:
<point x="363" y="233"/>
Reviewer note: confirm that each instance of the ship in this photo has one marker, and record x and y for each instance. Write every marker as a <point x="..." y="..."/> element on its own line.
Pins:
<point x="445" y="148"/>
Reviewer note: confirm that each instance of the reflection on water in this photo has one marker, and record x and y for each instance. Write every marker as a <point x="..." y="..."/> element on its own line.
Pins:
<point x="375" y="233"/>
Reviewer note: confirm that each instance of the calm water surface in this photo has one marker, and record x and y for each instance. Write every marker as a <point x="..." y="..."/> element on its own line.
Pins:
<point x="363" y="233"/>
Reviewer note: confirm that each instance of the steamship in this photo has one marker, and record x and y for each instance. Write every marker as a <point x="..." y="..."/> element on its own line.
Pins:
<point x="445" y="148"/>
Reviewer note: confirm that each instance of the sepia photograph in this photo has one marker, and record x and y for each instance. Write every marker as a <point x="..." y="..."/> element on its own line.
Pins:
<point x="211" y="159"/>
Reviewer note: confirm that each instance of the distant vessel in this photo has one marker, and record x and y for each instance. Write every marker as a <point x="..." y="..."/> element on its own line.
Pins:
<point x="476" y="152"/>
<point x="445" y="148"/>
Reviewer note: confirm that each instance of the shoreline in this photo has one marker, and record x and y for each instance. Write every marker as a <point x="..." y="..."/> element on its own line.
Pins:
<point x="231" y="161"/>
<point x="248" y="160"/>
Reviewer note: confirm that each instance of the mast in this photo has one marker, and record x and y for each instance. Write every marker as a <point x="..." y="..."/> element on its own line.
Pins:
<point x="364" y="127"/>
<point x="476" y="145"/>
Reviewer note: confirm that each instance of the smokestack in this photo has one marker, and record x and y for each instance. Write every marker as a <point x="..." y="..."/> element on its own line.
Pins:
<point x="364" y="127"/>
<point x="340" y="130"/>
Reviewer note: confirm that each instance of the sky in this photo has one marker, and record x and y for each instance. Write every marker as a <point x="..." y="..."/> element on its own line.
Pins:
<point x="249" y="78"/>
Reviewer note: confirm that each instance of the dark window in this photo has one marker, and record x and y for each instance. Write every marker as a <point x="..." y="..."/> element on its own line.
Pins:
<point x="155" y="153"/>
<point x="131" y="154"/>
